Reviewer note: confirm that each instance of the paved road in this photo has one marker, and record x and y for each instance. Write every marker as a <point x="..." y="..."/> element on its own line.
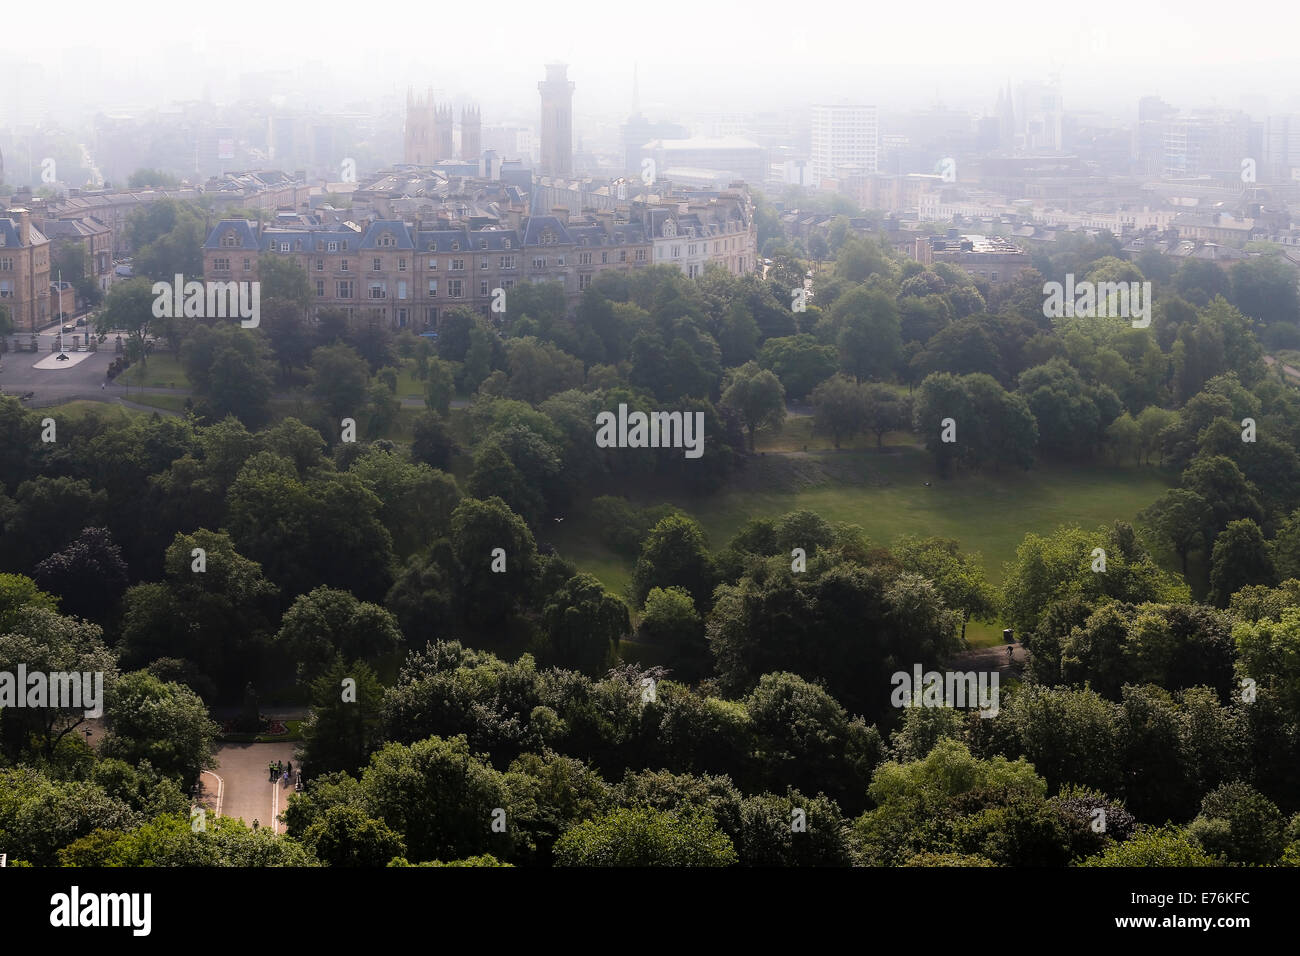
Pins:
<point x="1287" y="370"/>
<point x="18" y="374"/>
<point x="992" y="659"/>
<point x="241" y="784"/>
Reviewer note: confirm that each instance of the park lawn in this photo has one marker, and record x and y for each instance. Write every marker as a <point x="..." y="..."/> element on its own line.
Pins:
<point x="171" y="403"/>
<point x="577" y="540"/>
<point x="408" y="385"/>
<point x="986" y="513"/>
<point x="79" y="411"/>
<point x="984" y="633"/>
<point x="163" y="370"/>
<point x="989" y="514"/>
<point x="402" y="430"/>
<point x="796" y="435"/>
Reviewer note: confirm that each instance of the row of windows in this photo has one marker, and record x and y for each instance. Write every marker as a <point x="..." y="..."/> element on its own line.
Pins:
<point x="453" y="265"/>
<point x="222" y="264"/>
<point x="505" y="263"/>
<point x="387" y="240"/>
<point x="343" y="288"/>
<point x="232" y="240"/>
<point x="455" y="287"/>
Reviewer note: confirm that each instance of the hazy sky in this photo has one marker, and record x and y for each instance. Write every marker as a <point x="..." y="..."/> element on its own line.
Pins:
<point x="692" y="55"/>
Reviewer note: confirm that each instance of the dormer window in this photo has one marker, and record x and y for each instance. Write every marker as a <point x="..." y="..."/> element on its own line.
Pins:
<point x="548" y="237"/>
<point x="455" y="245"/>
<point x="433" y="246"/>
<point x="229" y="239"/>
<point x="482" y="243"/>
<point x="505" y="244"/>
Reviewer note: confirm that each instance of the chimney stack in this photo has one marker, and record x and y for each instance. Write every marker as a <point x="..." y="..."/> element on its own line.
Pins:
<point x="24" y="220"/>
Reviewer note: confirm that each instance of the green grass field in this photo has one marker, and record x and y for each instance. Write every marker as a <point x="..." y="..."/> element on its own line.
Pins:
<point x="171" y="403"/>
<point x="986" y="513"/>
<point x="79" y="411"/>
<point x="797" y="434"/>
<point x="408" y="385"/>
<point x="885" y="493"/>
<point x="163" y="370"/>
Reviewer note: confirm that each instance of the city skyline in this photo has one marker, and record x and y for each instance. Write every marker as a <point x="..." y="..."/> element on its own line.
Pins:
<point x="773" y="60"/>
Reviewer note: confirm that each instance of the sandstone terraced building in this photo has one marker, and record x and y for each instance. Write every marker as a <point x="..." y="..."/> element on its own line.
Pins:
<point x="24" y="271"/>
<point x="407" y="274"/>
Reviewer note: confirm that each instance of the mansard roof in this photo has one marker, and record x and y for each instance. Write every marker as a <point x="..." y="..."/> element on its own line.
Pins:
<point x="394" y="227"/>
<point x="538" y="226"/>
<point x="241" y="228"/>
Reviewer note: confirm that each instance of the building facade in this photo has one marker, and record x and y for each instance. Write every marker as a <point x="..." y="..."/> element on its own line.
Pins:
<point x="24" y="271"/>
<point x="428" y="134"/>
<point x="994" y="259"/>
<point x="401" y="274"/>
<point x="92" y="239"/>
<point x="267" y="190"/>
<point x="843" y="136"/>
<point x="557" y="121"/>
<point x="471" y="138"/>
<point x="734" y="157"/>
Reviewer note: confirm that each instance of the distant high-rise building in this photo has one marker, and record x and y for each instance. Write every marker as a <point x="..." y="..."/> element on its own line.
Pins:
<point x="1041" y="114"/>
<point x="1179" y="145"/>
<point x="471" y="139"/>
<point x="843" y="135"/>
<point x="1006" y="119"/>
<point x="1204" y="142"/>
<point x="1281" y="146"/>
<point x="1154" y="115"/>
<point x="557" y="121"/>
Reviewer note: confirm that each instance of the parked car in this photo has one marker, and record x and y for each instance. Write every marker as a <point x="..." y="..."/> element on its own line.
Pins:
<point x="81" y="321"/>
<point x="69" y="328"/>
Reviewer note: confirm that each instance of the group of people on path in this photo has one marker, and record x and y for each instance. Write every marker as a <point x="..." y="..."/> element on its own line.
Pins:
<point x="282" y="769"/>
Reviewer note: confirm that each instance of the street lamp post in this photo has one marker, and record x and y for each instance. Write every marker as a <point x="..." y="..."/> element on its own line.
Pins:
<point x="59" y="291"/>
